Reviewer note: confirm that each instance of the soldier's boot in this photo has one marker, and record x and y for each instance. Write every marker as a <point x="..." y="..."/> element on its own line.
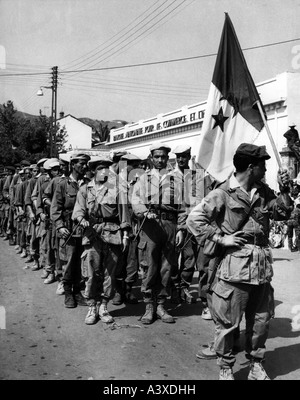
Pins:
<point x="129" y="296"/>
<point x="12" y="241"/>
<point x="148" y="317"/>
<point x="175" y="295"/>
<point x="70" y="301"/>
<point x="162" y="314"/>
<point x="118" y="298"/>
<point x="80" y="300"/>
<point x="186" y="296"/>
<point x="257" y="372"/>
<point x="290" y="244"/>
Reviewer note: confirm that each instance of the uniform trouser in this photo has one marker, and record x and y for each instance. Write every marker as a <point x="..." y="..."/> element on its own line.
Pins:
<point x="22" y="230"/>
<point x="34" y="243"/>
<point x="50" y="255"/>
<point x="70" y="256"/>
<point x="183" y="271"/>
<point x="98" y="266"/>
<point x="204" y="267"/>
<point x="157" y="243"/>
<point x="43" y="242"/>
<point x="229" y="302"/>
<point x="127" y="268"/>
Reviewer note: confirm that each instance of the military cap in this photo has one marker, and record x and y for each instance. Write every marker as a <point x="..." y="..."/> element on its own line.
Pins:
<point x="160" y="146"/>
<point x="18" y="165"/>
<point x="100" y="161"/>
<point x="33" y="166"/>
<point x="49" y="162"/>
<point x="182" y="149"/>
<point x="116" y="156"/>
<point x="25" y="163"/>
<point x="41" y="161"/>
<point x="54" y="163"/>
<point x="253" y="151"/>
<point x="130" y="157"/>
<point x="10" y="168"/>
<point x="65" y="158"/>
<point x="80" y="156"/>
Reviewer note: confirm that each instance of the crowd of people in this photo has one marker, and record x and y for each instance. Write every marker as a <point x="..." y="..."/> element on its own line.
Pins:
<point x="95" y="225"/>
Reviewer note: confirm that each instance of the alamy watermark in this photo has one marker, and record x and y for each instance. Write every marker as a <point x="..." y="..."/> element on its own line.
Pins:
<point x="2" y="57"/>
<point x="296" y="320"/>
<point x="296" y="58"/>
<point x="2" y="317"/>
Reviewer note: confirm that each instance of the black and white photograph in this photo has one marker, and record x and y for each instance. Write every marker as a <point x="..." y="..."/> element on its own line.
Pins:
<point x="149" y="193"/>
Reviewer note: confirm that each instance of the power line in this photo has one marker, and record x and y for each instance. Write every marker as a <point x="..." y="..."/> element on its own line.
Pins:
<point x="135" y="38"/>
<point x="150" y="63"/>
<point x="116" y="34"/>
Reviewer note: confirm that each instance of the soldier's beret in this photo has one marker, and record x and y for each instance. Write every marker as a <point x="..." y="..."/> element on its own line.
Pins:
<point x="160" y="146"/>
<point x="80" y="156"/>
<point x="97" y="161"/>
<point x="251" y="150"/>
<point x="182" y="149"/>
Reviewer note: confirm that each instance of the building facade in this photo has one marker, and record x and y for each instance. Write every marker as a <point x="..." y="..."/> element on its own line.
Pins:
<point x="281" y="99"/>
<point x="79" y="134"/>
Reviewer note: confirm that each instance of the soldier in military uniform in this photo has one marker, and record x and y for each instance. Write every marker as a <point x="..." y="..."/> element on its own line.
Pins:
<point x="191" y="184"/>
<point x="156" y="202"/>
<point x="101" y="209"/>
<point x="51" y="166"/>
<point x="32" y="220"/>
<point x="63" y="172"/>
<point x="70" y="240"/>
<point x="127" y="271"/>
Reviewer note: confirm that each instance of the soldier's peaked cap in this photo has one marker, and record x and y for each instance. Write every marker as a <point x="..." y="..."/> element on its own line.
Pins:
<point x="100" y="161"/>
<point x="41" y="161"/>
<point x="25" y="162"/>
<point x="130" y="157"/>
<point x="48" y="163"/>
<point x="160" y="146"/>
<point x="251" y="150"/>
<point x="116" y="155"/>
<point x="80" y="156"/>
<point x="182" y="149"/>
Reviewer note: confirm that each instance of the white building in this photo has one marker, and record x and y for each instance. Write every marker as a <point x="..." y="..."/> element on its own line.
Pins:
<point x="79" y="134"/>
<point x="281" y="99"/>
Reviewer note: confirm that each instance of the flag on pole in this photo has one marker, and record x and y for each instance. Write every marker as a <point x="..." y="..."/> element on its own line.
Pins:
<point x="232" y="116"/>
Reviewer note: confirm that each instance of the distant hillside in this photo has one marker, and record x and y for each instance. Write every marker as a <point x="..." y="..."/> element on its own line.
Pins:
<point x="96" y="124"/>
<point x="101" y="128"/>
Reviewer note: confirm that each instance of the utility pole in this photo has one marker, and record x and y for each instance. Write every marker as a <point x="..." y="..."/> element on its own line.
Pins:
<point x="53" y="150"/>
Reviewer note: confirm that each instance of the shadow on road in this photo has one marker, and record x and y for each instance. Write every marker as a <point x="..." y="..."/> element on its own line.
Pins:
<point x="279" y="362"/>
<point x="281" y="327"/>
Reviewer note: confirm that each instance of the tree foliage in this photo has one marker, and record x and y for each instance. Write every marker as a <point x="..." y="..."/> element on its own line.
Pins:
<point x="23" y="138"/>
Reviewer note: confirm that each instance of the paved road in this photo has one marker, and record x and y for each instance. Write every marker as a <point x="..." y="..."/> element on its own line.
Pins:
<point x="45" y="341"/>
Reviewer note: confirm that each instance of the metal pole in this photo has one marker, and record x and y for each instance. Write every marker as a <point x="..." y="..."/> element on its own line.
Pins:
<point x="55" y="109"/>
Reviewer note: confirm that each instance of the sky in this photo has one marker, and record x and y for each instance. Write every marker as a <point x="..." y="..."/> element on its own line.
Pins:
<point x="133" y="59"/>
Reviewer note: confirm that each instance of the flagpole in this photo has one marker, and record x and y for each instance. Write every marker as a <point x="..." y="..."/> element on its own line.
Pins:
<point x="269" y="134"/>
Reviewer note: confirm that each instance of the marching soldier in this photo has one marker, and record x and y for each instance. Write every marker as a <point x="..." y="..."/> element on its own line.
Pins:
<point x="101" y="209"/>
<point x="127" y="271"/>
<point x="156" y="202"/>
<point x="70" y="246"/>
